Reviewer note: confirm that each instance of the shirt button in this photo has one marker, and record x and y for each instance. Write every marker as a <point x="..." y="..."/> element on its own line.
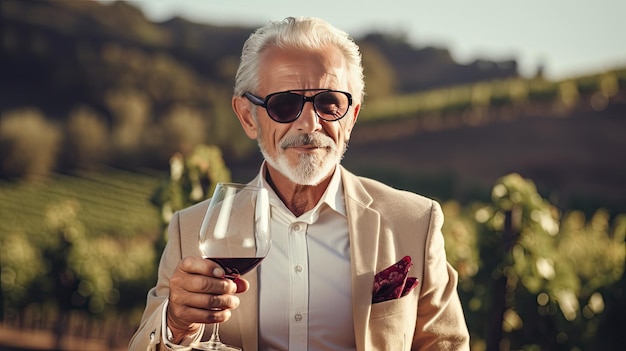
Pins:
<point x="296" y="227"/>
<point x="298" y="317"/>
<point x="299" y="268"/>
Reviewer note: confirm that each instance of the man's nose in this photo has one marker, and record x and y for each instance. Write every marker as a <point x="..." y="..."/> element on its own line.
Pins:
<point x="308" y="121"/>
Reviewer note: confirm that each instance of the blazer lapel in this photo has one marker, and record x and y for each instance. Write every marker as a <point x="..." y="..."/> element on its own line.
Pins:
<point x="363" y="224"/>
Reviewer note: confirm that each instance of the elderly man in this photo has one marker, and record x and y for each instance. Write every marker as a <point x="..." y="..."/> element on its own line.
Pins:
<point x="336" y="275"/>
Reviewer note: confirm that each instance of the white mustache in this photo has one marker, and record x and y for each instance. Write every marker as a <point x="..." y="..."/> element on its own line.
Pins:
<point x="309" y="139"/>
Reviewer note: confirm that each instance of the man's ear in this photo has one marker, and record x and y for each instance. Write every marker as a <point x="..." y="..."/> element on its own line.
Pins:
<point x="243" y="110"/>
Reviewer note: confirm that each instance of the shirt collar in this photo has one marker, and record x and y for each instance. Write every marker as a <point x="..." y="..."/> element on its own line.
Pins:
<point x="332" y="197"/>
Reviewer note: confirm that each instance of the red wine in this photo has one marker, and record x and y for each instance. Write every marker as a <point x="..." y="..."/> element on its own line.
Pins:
<point x="237" y="266"/>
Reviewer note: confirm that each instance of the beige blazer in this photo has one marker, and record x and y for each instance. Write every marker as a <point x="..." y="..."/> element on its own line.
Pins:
<point x="385" y="225"/>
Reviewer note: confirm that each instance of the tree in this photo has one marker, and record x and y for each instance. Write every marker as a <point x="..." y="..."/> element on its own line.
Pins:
<point x="86" y="139"/>
<point x="29" y="144"/>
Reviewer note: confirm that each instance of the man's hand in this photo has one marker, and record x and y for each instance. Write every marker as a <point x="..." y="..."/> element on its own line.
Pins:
<point x="199" y="294"/>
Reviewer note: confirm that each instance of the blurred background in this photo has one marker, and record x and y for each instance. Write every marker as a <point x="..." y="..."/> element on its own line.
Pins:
<point x="114" y="114"/>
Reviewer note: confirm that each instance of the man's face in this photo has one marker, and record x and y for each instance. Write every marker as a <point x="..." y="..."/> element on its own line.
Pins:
<point x="306" y="150"/>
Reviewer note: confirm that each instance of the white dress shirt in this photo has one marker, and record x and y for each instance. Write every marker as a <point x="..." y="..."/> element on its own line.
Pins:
<point x="304" y="282"/>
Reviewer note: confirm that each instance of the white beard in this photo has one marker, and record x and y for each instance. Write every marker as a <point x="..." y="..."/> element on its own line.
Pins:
<point x="311" y="169"/>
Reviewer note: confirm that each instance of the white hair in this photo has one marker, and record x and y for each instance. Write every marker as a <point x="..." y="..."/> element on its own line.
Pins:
<point x="301" y="33"/>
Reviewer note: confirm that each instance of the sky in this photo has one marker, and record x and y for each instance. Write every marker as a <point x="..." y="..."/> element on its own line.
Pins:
<point x="569" y="38"/>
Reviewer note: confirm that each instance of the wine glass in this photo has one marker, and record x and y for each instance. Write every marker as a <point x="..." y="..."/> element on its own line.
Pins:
<point x="235" y="234"/>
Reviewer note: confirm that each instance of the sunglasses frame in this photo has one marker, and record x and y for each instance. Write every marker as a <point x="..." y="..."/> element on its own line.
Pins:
<point x="257" y="100"/>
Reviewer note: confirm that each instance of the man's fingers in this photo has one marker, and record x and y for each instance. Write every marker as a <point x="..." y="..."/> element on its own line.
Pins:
<point x="198" y="275"/>
<point x="199" y="293"/>
<point x="205" y="301"/>
<point x="199" y="265"/>
<point x="189" y="308"/>
<point x="192" y="315"/>
<point x="242" y="285"/>
<point x="203" y="284"/>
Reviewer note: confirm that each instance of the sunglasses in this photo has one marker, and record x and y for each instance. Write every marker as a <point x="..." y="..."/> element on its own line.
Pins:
<point x="286" y="106"/>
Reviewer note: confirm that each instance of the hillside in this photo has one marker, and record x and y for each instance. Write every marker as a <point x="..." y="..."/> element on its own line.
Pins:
<point x="86" y="83"/>
<point x="576" y="160"/>
<point x="57" y="54"/>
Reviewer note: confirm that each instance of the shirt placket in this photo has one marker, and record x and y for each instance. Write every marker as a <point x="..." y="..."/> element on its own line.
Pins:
<point x="298" y="258"/>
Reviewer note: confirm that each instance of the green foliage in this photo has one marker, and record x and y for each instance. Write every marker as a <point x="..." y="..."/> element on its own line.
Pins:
<point x="377" y="69"/>
<point x="192" y="179"/>
<point x="461" y="231"/>
<point x="29" y="144"/>
<point x="77" y="242"/>
<point x="109" y="86"/>
<point x="91" y="243"/>
<point x="555" y="270"/>
<point x="87" y="139"/>
<point x="505" y="92"/>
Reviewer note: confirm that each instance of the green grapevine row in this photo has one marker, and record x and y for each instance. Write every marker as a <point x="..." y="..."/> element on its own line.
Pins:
<point x="114" y="202"/>
<point x="495" y="93"/>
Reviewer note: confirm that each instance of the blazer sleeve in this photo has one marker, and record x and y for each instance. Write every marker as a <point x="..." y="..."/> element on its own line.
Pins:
<point x="440" y="320"/>
<point x="148" y="335"/>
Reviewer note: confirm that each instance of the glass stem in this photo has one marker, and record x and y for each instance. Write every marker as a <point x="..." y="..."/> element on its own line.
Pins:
<point x="215" y="336"/>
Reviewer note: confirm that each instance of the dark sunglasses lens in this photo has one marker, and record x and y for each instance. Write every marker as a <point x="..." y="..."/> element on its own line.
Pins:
<point x="331" y="105"/>
<point x="284" y="107"/>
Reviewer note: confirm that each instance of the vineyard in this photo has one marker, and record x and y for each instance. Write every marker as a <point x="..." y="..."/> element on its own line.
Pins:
<point x="518" y="93"/>
<point x="114" y="202"/>
<point x="79" y="250"/>
<point x="529" y="172"/>
<point x="79" y="253"/>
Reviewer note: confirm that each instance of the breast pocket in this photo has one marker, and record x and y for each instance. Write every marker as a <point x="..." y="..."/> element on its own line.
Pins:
<point x="392" y="323"/>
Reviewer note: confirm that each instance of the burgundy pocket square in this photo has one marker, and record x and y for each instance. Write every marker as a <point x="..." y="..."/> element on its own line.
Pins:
<point x="393" y="282"/>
